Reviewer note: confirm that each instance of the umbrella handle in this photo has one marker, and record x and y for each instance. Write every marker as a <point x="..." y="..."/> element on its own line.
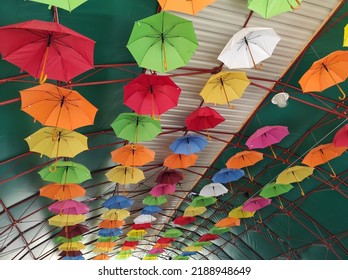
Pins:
<point x="342" y="92"/>
<point x="53" y="168"/>
<point x="296" y="8"/>
<point x="260" y="220"/>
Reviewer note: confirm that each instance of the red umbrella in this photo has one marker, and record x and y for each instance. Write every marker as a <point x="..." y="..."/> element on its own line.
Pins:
<point x="151" y="94"/>
<point x="72" y="231"/>
<point x="169" y="176"/>
<point x="141" y="226"/>
<point x="341" y="137"/>
<point x="130" y="243"/>
<point x="208" y="237"/>
<point x="184" y="220"/>
<point x="70" y="253"/>
<point x="162" y="189"/>
<point x="165" y="240"/>
<point x="46" y="49"/>
<point x="203" y="118"/>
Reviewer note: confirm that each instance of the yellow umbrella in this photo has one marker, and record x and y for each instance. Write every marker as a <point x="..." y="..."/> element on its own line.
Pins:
<point x="192" y="248"/>
<point x="66" y="220"/>
<point x="295" y="174"/>
<point x="238" y="212"/>
<point x="71" y="246"/>
<point x="224" y="87"/>
<point x="345" y="36"/>
<point x="191" y="211"/>
<point x="152" y="258"/>
<point x="115" y="214"/>
<point x="102" y="250"/>
<point x="136" y="233"/>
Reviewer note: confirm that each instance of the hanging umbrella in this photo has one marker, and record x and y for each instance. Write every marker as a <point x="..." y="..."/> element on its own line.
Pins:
<point x="184" y="220"/>
<point x="107" y="238"/>
<point x="74" y="230"/>
<point x="71" y="246"/>
<point x="156" y="251"/>
<point x="141" y="226"/>
<point x="101" y="257"/>
<point x="193" y="248"/>
<point x="65" y="172"/>
<point x="63" y="220"/>
<point x="47" y="49"/>
<point x="137" y="233"/>
<point x="226" y="175"/>
<point x="69" y="207"/>
<point x="62" y="239"/>
<point x="191" y="7"/>
<point x="68" y="5"/>
<point x="70" y="258"/>
<point x="218" y="231"/>
<point x="70" y="253"/>
<point x="213" y="189"/>
<point x="203" y="201"/>
<point x="136" y="128"/>
<point x="275" y="190"/>
<point x="244" y="159"/>
<point x="57" y="142"/>
<point x="239" y="213"/>
<point x="162" y="42"/>
<point x="118" y="202"/>
<point x="151" y="94"/>
<point x="165" y="240"/>
<point x="181" y="258"/>
<point x="162" y="189"/>
<point x="125" y="175"/>
<point x="62" y="191"/>
<point x="208" y="237"/>
<point x="345" y="36"/>
<point x="295" y="174"/>
<point x="248" y="47"/>
<point x="142" y="219"/>
<point x="189" y="144"/>
<point x="180" y="160"/>
<point x="130" y="243"/>
<point x="57" y="107"/>
<point x="161" y="245"/>
<point x="115" y="214"/>
<point x="267" y="136"/>
<point x="105" y="244"/>
<point x="169" y="176"/>
<point x="151" y="209"/>
<point x="326" y="72"/>
<point x="191" y="211"/>
<point x="341" y="137"/>
<point x="172" y="233"/>
<point x="271" y="8"/>
<point x="323" y="154"/>
<point x="185" y="254"/>
<point x="151" y="200"/>
<point x="133" y="155"/>
<point x="223" y="87"/>
<point x="111" y="224"/>
<point x="256" y="203"/>
<point x="150" y="257"/>
<point x="228" y="222"/>
<point x="107" y="232"/>
<point x="205" y="243"/>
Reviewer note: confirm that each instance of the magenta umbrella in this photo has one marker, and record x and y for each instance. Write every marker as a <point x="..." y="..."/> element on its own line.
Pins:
<point x="267" y="136"/>
<point x="156" y="251"/>
<point x="162" y="189"/>
<point x="256" y="203"/>
<point x="341" y="137"/>
<point x="69" y="207"/>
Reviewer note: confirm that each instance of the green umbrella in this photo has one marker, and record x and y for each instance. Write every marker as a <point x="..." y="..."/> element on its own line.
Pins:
<point x="133" y="238"/>
<point x="181" y="258"/>
<point x="151" y="200"/>
<point x="273" y="189"/>
<point x="270" y="8"/>
<point x="107" y="238"/>
<point x="216" y="230"/>
<point x="172" y="233"/>
<point x="203" y="243"/>
<point x="62" y="239"/>
<point x="68" y="5"/>
<point x="65" y="172"/>
<point x="162" y="42"/>
<point x="204" y="201"/>
<point x="136" y="128"/>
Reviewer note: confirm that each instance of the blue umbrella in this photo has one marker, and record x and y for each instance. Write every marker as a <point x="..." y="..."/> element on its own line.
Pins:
<point x="188" y="144"/>
<point x="188" y="253"/>
<point x="106" y="232"/>
<point x="118" y="202"/>
<point x="71" y="258"/>
<point x="227" y="175"/>
<point x="151" y="209"/>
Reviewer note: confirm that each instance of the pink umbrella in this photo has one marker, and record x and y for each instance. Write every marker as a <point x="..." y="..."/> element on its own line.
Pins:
<point x="68" y="207"/>
<point x="341" y="137"/>
<point x="266" y="137"/>
<point x="162" y="189"/>
<point x="256" y="203"/>
<point x="156" y="251"/>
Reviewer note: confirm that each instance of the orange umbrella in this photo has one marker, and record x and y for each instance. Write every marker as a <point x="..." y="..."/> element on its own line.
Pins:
<point x="244" y="159"/>
<point x="111" y="224"/>
<point x="101" y="256"/>
<point x="105" y="244"/>
<point x="161" y="245"/>
<point x="126" y="248"/>
<point x="326" y="72"/>
<point x="180" y="160"/>
<point x="57" y="107"/>
<point x="228" y="222"/>
<point x="133" y="155"/>
<point x="62" y="191"/>
<point x="190" y="7"/>
<point x="323" y="154"/>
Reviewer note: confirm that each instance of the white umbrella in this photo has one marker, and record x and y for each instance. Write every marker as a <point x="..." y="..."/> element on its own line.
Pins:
<point x="248" y="47"/>
<point x="144" y="219"/>
<point x="213" y="189"/>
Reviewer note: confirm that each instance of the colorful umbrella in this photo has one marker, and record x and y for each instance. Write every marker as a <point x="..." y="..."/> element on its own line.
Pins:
<point x="136" y="128"/>
<point x="267" y="136"/>
<point x="151" y="200"/>
<point x="165" y="240"/>
<point x="133" y="155"/>
<point x="239" y="213"/>
<point x="150" y="257"/>
<point x="125" y="175"/>
<point x="162" y="42"/>
<point x="111" y="224"/>
<point x="184" y="220"/>
<point x="151" y="94"/>
<point x="74" y="230"/>
<point x="101" y="256"/>
<point x="326" y="72"/>
<point x="141" y="226"/>
<point x="72" y="258"/>
<point x="107" y="232"/>
<point x="71" y="246"/>
<point x="323" y="154"/>
<point x="162" y="189"/>
<point x="63" y="220"/>
<point x="69" y="207"/>
<point x="151" y="209"/>
<point x="226" y="175"/>
<point x="136" y="233"/>
<point x="172" y="233"/>
<point x="105" y="244"/>
<point x="248" y="47"/>
<point x="256" y="203"/>
<point x="143" y="219"/>
<point x="345" y="36"/>
<point x="115" y="214"/>
<point x="213" y="189"/>
<point x="65" y="172"/>
<point x="180" y="160"/>
<point x="118" y="202"/>
<point x="62" y="239"/>
<point x="156" y="251"/>
<point x="107" y="238"/>
<point x="223" y="87"/>
<point x="181" y="258"/>
<point x="275" y="190"/>
<point x="192" y="248"/>
<point x="208" y="237"/>
<point x="169" y="176"/>
<point x="191" y="7"/>
<point x="203" y="201"/>
<point x="47" y="49"/>
<point x="228" y="222"/>
<point x="341" y="137"/>
<point x="189" y="144"/>
<point x="57" y="107"/>
<point x="68" y="5"/>
<point x="70" y="253"/>
<point x="295" y="174"/>
<point x="62" y="191"/>
<point x="191" y="211"/>
<point x="271" y="8"/>
<point x="244" y="159"/>
<point x="161" y="245"/>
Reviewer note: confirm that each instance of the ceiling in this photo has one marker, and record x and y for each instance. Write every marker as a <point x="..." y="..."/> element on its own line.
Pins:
<point x="308" y="227"/>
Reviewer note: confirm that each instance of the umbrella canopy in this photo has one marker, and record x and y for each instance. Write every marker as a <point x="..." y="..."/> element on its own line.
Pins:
<point x="184" y="220"/>
<point x="125" y="175"/>
<point x="226" y="175"/>
<point x="228" y="222"/>
<point x="62" y="239"/>
<point x="180" y="160"/>
<point x="115" y="214"/>
<point x="188" y="144"/>
<point x="72" y="258"/>
<point x="57" y="142"/>
<point x="162" y="42"/>
<point x="109" y="232"/>
<point x="101" y="256"/>
<point x="151" y="209"/>
<point x="136" y="128"/>
<point x="223" y="87"/>
<point x="63" y="220"/>
<point x="203" y="118"/>
<point x="169" y="176"/>
<point x="65" y="172"/>
<point x="142" y="219"/>
<point x="141" y="226"/>
<point x="191" y="211"/>
<point x="70" y="253"/>
<point x="156" y="251"/>
<point x="326" y="72"/>
<point x="151" y="94"/>
<point x="203" y="201"/>
<point x="248" y="47"/>
<point x="192" y="248"/>
<point x="181" y="258"/>
<point x="191" y="7"/>
<point x="172" y="233"/>
<point x="213" y="189"/>
<point x="239" y="213"/>
<point x="133" y="155"/>
<point x="71" y="246"/>
<point x="58" y="107"/>
<point x="118" y="202"/>
<point x="271" y="8"/>
<point x="218" y="231"/>
<point x="162" y="189"/>
<point x="104" y="244"/>
<point x="256" y="203"/>
<point x="68" y="5"/>
<point x="47" y="49"/>
<point x="208" y="237"/>
<point x="62" y="191"/>
<point x="341" y="137"/>
<point x="151" y="200"/>
<point x="136" y="232"/>
<point x="69" y="207"/>
<point x="165" y="240"/>
<point x="275" y="190"/>
<point x="74" y="230"/>
<point x="111" y="224"/>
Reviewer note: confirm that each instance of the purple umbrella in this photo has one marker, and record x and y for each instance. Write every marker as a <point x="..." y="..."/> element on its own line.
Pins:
<point x="156" y="251"/>
<point x="256" y="203"/>
<point x="162" y="189"/>
<point x="69" y="207"/>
